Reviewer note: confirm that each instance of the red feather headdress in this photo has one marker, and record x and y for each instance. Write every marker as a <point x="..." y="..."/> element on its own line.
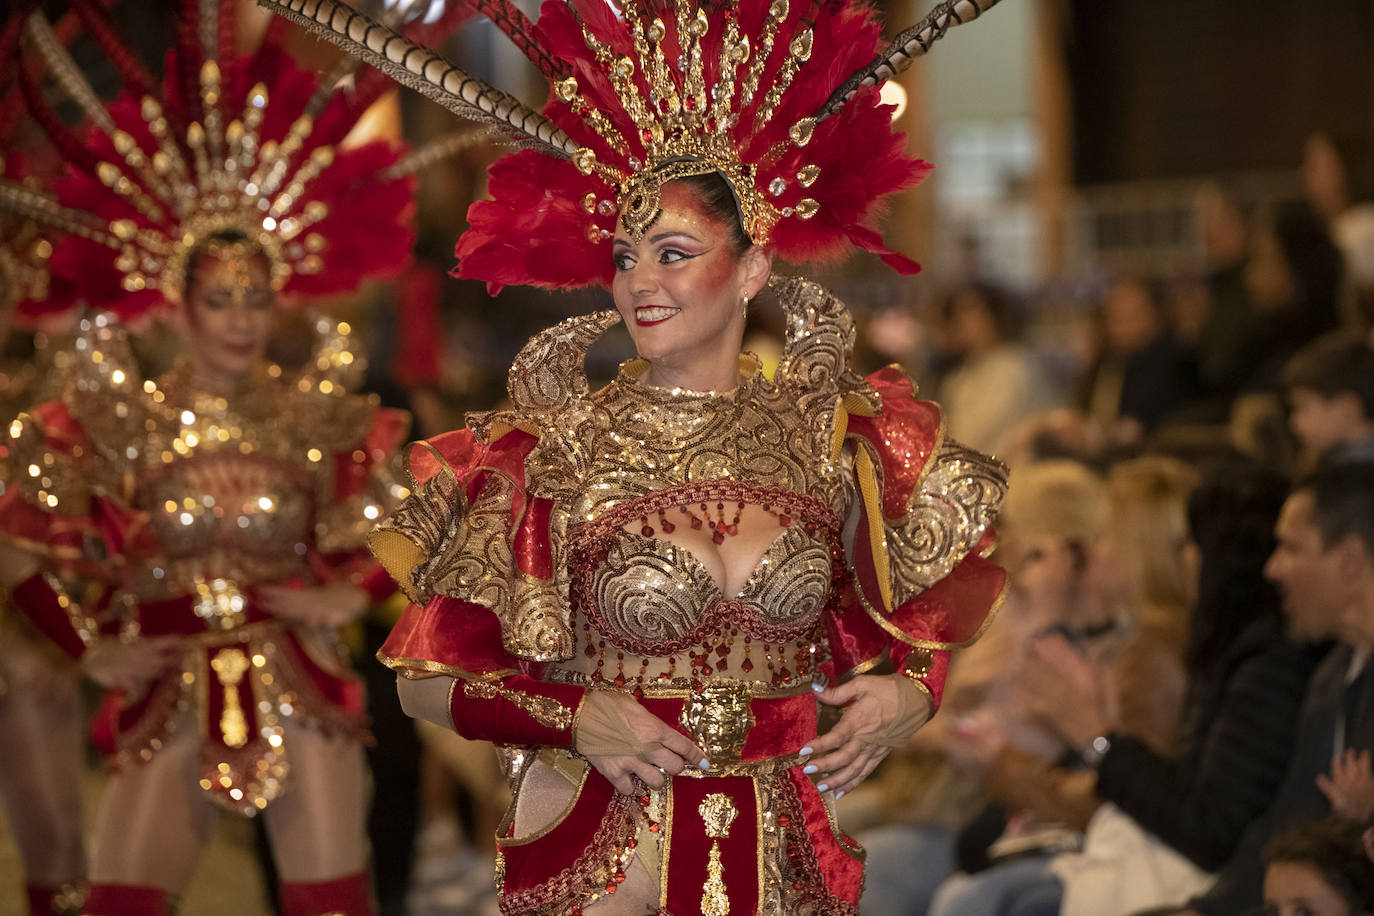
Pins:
<point x="228" y="142"/>
<point x="779" y="97"/>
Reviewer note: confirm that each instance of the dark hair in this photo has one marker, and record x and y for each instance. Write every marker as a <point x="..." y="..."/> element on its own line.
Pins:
<point x="222" y="237"/>
<point x="1343" y="497"/>
<point x="1337" y="363"/>
<point x="1231" y="518"/>
<point x="1334" y="847"/>
<point x="720" y="201"/>
<point x="997" y="301"/>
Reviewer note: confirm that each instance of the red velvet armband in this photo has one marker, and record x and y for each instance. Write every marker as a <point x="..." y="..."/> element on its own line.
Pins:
<point x="516" y="710"/>
<point x="54" y="615"/>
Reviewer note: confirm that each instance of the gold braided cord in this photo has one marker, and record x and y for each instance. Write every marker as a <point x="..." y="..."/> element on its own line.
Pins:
<point x="424" y="71"/>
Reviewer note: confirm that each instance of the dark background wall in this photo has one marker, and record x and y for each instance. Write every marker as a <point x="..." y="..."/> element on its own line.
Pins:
<point x="1180" y="88"/>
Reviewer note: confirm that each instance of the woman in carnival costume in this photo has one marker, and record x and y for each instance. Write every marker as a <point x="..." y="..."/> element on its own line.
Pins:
<point x="646" y="592"/>
<point x="225" y="503"/>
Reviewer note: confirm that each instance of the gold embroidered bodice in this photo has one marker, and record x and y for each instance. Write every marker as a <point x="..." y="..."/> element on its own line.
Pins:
<point x="237" y="488"/>
<point x="624" y="603"/>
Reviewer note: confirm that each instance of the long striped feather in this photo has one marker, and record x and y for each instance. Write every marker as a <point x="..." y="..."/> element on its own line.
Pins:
<point x="424" y="71"/>
<point x="904" y="50"/>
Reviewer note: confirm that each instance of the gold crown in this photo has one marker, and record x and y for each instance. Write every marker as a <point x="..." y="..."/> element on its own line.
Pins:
<point x="238" y="186"/>
<point x="685" y="125"/>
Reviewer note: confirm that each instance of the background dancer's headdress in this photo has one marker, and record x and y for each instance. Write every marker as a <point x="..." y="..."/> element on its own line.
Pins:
<point x="779" y="97"/>
<point x="244" y="145"/>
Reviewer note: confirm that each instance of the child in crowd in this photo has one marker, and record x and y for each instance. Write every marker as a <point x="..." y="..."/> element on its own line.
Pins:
<point x="1319" y="869"/>
<point x="1329" y="385"/>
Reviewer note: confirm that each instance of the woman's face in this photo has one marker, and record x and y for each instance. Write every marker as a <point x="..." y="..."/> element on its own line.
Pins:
<point x="229" y="310"/>
<point x="681" y="288"/>
<point x="1297" y="889"/>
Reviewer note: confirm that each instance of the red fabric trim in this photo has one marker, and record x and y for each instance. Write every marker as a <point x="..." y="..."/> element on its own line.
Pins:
<point x="840" y="870"/>
<point x="532" y="865"/>
<point x="903" y="436"/>
<point x="448" y="634"/>
<point x="533" y="542"/>
<point x="37" y="601"/>
<point x="852" y="635"/>
<point x="502" y="721"/>
<point x="955" y="608"/>
<point x="690" y="848"/>
<point x="350" y="895"/>
<point x="461" y="451"/>
<point x="125" y="900"/>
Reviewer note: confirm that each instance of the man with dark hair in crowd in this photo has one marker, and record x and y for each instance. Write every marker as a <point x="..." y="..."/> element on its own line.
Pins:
<point x="1324" y="568"/>
<point x="1330" y="389"/>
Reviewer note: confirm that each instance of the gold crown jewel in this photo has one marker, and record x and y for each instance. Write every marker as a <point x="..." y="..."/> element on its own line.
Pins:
<point x="685" y="125"/>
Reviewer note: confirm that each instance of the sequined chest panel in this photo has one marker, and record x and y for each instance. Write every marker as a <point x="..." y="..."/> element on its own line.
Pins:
<point x="649" y="596"/>
<point x="229" y="515"/>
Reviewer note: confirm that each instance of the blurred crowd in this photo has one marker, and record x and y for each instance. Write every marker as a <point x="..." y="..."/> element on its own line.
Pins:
<point x="1171" y="713"/>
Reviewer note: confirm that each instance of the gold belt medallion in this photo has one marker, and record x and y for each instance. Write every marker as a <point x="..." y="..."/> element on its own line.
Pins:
<point x="719" y="718"/>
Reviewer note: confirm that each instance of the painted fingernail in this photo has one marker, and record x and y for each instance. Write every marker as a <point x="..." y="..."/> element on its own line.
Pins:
<point x="804" y="752"/>
<point x="822" y="787"/>
<point x="704" y="764"/>
<point x="819" y="688"/>
<point x="839" y="795"/>
<point x="809" y="769"/>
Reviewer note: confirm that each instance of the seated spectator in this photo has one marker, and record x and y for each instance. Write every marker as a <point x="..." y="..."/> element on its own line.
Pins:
<point x="1330" y="389"/>
<point x="1319" y="869"/>
<point x="1221" y="365"/>
<point x="1294" y="278"/>
<point x="995" y="382"/>
<point x="1141" y="373"/>
<point x="1324" y="569"/>
<point x="1173" y="819"/>
<point x="1339" y="183"/>
<point x="1134" y="579"/>
<point x="926" y="795"/>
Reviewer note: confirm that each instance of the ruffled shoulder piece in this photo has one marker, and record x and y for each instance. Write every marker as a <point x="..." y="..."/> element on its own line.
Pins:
<point x="58" y="499"/>
<point x="483" y="523"/>
<point x="550" y="397"/>
<point x="816" y="366"/>
<point x="927" y="505"/>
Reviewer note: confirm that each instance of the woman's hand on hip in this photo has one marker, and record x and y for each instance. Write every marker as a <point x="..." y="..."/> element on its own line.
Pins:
<point x="331" y="605"/>
<point x="623" y="740"/>
<point x="119" y="665"/>
<point x="881" y="712"/>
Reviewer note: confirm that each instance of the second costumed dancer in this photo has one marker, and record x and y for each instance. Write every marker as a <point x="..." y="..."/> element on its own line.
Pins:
<point x="645" y="593"/>
<point x="225" y="503"/>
